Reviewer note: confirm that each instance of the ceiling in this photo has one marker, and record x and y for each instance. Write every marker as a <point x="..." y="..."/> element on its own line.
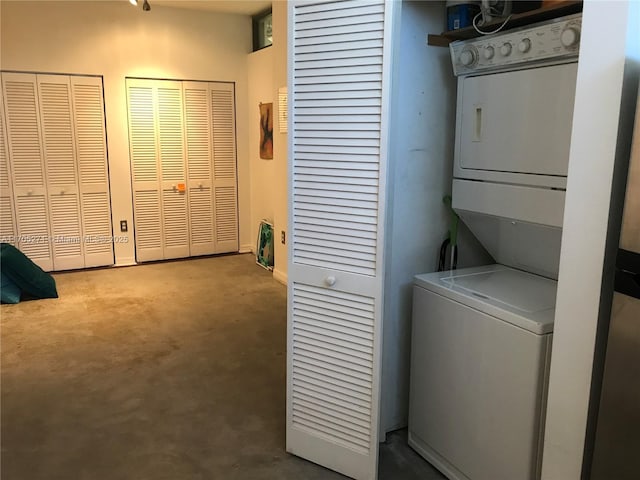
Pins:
<point x="242" y="7"/>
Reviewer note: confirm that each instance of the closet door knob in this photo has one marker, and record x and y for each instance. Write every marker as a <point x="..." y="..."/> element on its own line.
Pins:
<point x="330" y="281"/>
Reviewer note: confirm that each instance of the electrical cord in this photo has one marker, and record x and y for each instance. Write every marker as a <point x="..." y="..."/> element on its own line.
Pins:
<point x="475" y="25"/>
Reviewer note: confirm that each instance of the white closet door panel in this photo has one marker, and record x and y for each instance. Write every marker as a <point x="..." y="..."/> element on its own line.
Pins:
<point x="90" y="136"/>
<point x="175" y="226"/>
<point x="202" y="226"/>
<point x="23" y="132"/>
<point x="27" y="165"/>
<point x="54" y="95"/>
<point x="142" y="135"/>
<point x="224" y="131"/>
<point x="8" y="230"/>
<point x="175" y="211"/>
<point x="226" y="218"/>
<point x="225" y="192"/>
<point x="199" y="152"/>
<point x="91" y="152"/>
<point x="338" y="81"/>
<point x="170" y="132"/>
<point x="197" y="109"/>
<point x="145" y="167"/>
<point x="148" y="222"/>
<point x="33" y="227"/>
<point x="96" y="224"/>
<point x="56" y="120"/>
<point x="65" y="227"/>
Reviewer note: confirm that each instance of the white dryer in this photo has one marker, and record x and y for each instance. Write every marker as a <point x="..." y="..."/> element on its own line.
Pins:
<point x="479" y="361"/>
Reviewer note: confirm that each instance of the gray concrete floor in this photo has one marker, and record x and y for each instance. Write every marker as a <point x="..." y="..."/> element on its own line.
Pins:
<point x="173" y="370"/>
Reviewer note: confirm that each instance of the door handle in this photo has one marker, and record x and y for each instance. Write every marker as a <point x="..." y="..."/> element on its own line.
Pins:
<point x="477" y="127"/>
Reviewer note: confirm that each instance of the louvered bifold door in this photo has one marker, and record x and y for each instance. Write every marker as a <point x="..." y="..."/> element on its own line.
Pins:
<point x="199" y="153"/>
<point x="91" y="155"/>
<point x="27" y="166"/>
<point x="56" y="119"/>
<point x="8" y="230"/>
<point x="338" y="83"/>
<point x="175" y="210"/>
<point x="145" y="170"/>
<point x="225" y="189"/>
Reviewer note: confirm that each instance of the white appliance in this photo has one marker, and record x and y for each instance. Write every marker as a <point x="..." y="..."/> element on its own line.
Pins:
<point x="480" y="356"/>
<point x="481" y="337"/>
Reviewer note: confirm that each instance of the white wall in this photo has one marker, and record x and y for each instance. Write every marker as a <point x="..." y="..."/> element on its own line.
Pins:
<point x="116" y="40"/>
<point x="421" y="144"/>
<point x="601" y="136"/>
<point x="280" y="142"/>
<point x="262" y="172"/>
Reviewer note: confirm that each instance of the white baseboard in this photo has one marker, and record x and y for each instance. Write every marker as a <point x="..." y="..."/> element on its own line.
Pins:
<point x="248" y="248"/>
<point x="125" y="263"/>
<point x="280" y="276"/>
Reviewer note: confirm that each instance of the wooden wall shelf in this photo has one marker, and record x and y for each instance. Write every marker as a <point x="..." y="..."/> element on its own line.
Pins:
<point x="546" y="12"/>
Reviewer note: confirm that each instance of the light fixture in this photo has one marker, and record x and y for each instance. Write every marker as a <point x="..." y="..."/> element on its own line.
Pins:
<point x="145" y="6"/>
<point x="134" y="2"/>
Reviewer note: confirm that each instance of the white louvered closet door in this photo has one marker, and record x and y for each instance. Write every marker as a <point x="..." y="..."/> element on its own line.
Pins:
<point x="338" y="84"/>
<point x="27" y="164"/>
<point x="199" y="151"/>
<point x="8" y="230"/>
<point x="91" y="154"/>
<point x="175" y="211"/>
<point x="225" y="188"/>
<point x="56" y="120"/>
<point x="145" y="170"/>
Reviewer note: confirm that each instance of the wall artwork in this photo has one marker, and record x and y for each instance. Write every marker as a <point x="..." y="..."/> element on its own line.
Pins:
<point x="266" y="131"/>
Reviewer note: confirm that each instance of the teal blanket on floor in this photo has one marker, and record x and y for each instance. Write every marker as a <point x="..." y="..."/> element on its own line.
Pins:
<point x="18" y="271"/>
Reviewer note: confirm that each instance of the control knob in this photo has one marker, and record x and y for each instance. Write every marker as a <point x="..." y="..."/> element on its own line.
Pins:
<point x="505" y="50"/>
<point x="525" y="45"/>
<point x="570" y="36"/>
<point x="468" y="56"/>
<point x="489" y="52"/>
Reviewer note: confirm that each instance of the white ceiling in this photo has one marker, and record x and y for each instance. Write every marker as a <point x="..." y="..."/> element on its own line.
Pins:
<point x="242" y="7"/>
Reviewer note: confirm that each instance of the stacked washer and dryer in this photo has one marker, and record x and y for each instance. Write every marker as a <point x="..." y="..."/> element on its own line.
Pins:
<point x="481" y="340"/>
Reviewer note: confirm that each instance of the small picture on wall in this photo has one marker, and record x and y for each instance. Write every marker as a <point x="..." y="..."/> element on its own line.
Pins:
<point x="266" y="131"/>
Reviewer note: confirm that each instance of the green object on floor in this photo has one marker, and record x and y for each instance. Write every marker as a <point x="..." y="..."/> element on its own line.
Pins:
<point x="28" y="276"/>
<point x="9" y="291"/>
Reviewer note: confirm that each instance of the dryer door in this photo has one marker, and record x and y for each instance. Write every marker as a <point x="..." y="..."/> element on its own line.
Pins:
<point x="517" y="121"/>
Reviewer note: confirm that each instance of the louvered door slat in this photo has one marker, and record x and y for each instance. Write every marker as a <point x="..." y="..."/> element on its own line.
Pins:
<point x="224" y="167"/>
<point x="32" y="213"/>
<point x="176" y="232"/>
<point x="170" y="133"/>
<point x="350" y="432"/>
<point x="148" y="222"/>
<point x="57" y="125"/>
<point x="338" y="90"/>
<point x="26" y="154"/>
<point x="197" y="107"/>
<point x="7" y="216"/>
<point x="91" y="152"/>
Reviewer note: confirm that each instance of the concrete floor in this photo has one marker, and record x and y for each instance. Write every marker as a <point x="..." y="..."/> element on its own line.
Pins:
<point x="173" y="370"/>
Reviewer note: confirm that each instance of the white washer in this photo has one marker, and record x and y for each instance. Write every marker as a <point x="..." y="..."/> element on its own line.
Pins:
<point x="481" y="347"/>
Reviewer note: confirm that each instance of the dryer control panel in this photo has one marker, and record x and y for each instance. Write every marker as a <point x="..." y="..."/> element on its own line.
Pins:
<point x="554" y="41"/>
